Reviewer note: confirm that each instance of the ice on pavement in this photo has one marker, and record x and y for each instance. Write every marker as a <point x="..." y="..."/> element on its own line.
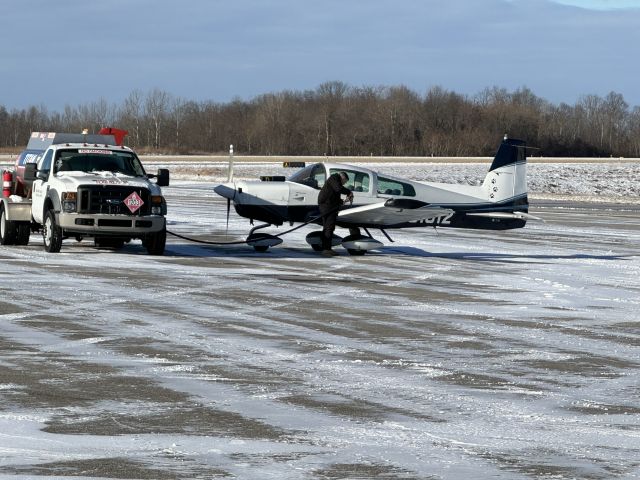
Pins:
<point x="447" y="354"/>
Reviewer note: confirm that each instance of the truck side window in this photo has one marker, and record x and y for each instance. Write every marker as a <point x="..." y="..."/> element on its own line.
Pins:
<point x="45" y="166"/>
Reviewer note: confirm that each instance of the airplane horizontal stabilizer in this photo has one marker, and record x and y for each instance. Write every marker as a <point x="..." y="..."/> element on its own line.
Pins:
<point x="507" y="215"/>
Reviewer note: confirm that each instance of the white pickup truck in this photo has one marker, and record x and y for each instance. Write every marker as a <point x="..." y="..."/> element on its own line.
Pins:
<point x="80" y="185"/>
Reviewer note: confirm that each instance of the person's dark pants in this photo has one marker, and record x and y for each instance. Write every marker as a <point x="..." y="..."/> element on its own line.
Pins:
<point x="328" y="226"/>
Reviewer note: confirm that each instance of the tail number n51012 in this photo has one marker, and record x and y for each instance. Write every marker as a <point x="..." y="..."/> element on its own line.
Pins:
<point x="444" y="219"/>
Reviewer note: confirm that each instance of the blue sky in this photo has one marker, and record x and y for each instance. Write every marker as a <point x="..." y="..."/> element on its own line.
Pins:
<point x="70" y="52"/>
<point x="601" y="4"/>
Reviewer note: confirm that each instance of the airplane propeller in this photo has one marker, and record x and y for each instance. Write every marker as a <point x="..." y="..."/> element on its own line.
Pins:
<point x="227" y="191"/>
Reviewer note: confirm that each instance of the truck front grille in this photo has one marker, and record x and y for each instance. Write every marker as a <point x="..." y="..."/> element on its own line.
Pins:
<point x="109" y="199"/>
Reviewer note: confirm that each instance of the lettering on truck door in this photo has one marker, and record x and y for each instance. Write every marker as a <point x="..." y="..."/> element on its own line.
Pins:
<point x="39" y="188"/>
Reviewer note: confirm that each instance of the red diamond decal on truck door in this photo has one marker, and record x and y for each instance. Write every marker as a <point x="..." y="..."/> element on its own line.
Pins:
<point x="133" y="202"/>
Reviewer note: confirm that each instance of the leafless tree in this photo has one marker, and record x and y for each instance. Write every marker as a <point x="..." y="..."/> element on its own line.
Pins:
<point x="155" y="108"/>
<point x="336" y="118"/>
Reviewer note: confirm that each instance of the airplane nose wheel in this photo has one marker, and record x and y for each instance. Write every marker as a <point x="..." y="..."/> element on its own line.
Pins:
<point x="262" y="241"/>
<point x="256" y="239"/>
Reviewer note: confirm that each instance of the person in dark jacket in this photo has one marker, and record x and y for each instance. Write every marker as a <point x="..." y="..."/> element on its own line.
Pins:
<point x="329" y="201"/>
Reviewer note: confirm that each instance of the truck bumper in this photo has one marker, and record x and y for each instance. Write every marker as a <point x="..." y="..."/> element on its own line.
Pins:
<point x="110" y="224"/>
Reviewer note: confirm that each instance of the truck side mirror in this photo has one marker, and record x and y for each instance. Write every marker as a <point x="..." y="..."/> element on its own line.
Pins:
<point x="162" y="177"/>
<point x="30" y="172"/>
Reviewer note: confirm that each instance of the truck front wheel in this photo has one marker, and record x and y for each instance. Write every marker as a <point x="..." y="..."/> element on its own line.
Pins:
<point x="155" y="242"/>
<point x="51" y="233"/>
<point x="7" y="229"/>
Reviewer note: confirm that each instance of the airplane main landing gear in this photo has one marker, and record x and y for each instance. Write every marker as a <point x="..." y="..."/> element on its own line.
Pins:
<point x="355" y="243"/>
<point x="358" y="244"/>
<point x="315" y="240"/>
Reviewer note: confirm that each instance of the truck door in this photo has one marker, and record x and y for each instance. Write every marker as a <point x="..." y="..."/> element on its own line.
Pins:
<point x="40" y="188"/>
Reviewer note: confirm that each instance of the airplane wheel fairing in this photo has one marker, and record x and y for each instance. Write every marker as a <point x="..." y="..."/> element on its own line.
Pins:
<point x="315" y="240"/>
<point x="359" y="244"/>
<point x="262" y="241"/>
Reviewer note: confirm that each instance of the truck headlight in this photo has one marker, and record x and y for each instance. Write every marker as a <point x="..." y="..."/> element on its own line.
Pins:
<point x="69" y="202"/>
<point x="157" y="202"/>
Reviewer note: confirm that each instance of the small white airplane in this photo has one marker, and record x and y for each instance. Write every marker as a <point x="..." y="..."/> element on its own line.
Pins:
<point x="384" y="202"/>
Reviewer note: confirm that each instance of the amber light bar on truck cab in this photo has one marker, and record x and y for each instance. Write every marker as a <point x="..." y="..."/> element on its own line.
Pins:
<point x="106" y="145"/>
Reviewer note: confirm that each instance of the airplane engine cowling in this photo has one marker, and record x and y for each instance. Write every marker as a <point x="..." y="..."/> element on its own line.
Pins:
<point x="264" y="201"/>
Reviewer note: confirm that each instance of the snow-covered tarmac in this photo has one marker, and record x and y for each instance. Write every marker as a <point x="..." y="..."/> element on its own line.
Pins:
<point x="448" y="354"/>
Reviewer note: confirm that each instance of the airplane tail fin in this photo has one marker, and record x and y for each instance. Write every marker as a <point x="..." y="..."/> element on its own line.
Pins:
<point x="506" y="182"/>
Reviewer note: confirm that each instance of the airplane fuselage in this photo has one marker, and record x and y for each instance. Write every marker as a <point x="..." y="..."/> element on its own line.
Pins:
<point x="440" y="205"/>
<point x="385" y="202"/>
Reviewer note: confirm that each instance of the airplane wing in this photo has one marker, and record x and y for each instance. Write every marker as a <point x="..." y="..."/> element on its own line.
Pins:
<point x="391" y="212"/>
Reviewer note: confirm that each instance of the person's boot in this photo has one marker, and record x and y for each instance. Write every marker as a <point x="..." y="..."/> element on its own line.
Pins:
<point x="326" y="244"/>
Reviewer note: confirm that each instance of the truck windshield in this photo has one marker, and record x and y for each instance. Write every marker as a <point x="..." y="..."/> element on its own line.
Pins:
<point x="98" y="160"/>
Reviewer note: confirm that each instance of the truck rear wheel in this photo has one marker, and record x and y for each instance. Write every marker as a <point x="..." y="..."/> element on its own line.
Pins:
<point x="155" y="242"/>
<point x="51" y="233"/>
<point x="23" y="233"/>
<point x="7" y="229"/>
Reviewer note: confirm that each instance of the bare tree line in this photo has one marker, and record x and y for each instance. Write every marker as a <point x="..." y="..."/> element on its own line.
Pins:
<point x="338" y="119"/>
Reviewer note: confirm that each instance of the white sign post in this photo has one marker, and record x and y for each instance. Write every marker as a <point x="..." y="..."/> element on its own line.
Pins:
<point x="230" y="179"/>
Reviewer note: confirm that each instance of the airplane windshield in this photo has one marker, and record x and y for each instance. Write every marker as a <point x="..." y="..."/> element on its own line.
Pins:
<point x="312" y="176"/>
<point x="98" y="160"/>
